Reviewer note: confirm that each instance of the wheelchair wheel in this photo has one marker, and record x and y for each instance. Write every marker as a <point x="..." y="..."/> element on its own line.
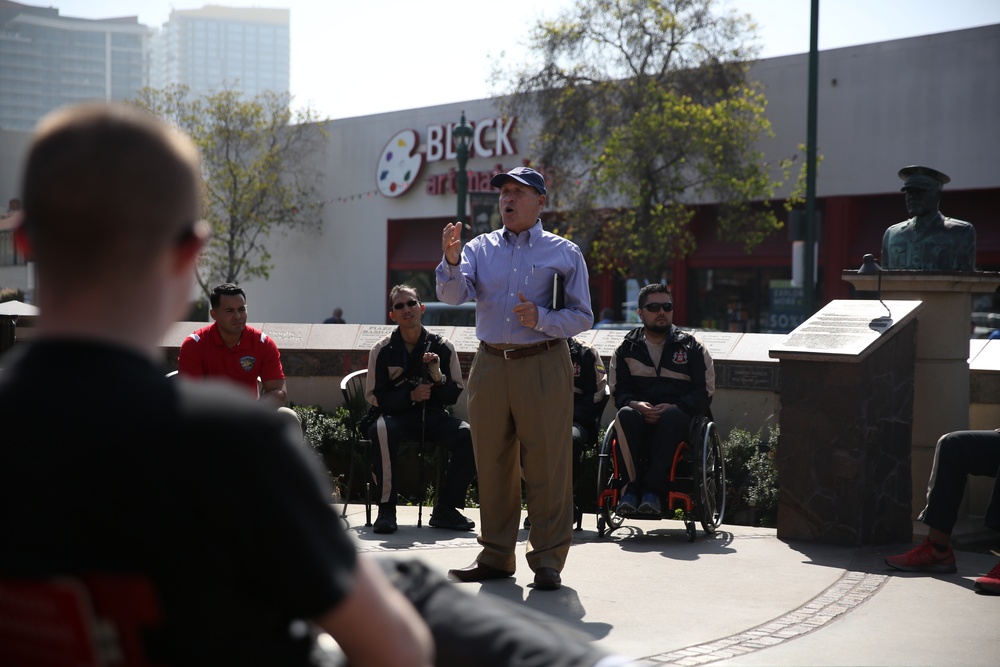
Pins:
<point x="608" y="486"/>
<point x="712" y="480"/>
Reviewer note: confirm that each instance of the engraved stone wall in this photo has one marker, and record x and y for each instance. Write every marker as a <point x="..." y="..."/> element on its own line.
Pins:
<point x="844" y="448"/>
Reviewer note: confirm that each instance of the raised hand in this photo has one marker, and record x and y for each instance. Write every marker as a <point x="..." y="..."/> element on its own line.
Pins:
<point x="451" y="243"/>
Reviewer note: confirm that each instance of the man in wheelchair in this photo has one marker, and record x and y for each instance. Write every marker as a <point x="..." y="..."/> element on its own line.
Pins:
<point x="661" y="378"/>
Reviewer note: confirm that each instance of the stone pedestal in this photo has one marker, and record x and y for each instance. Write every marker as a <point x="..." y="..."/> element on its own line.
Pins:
<point x="941" y="379"/>
<point x="847" y="407"/>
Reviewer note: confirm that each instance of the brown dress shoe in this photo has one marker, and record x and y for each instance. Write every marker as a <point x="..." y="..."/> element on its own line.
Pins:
<point x="479" y="572"/>
<point x="547" y="579"/>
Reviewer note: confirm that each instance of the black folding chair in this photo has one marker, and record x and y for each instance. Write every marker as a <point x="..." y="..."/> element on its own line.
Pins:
<point x="353" y="388"/>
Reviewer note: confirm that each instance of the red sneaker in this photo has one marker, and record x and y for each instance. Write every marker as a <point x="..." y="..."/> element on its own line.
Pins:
<point x="990" y="584"/>
<point x="924" y="558"/>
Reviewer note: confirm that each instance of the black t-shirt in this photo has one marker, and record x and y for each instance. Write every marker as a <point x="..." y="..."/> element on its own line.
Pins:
<point x="108" y="466"/>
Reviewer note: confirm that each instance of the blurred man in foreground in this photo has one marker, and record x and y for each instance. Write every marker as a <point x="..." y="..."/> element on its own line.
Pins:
<point x="190" y="486"/>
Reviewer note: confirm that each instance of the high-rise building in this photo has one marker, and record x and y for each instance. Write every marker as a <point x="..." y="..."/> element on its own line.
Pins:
<point x="216" y="47"/>
<point x="48" y="60"/>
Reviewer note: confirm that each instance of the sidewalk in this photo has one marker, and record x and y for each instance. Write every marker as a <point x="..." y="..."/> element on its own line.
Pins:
<point x="739" y="597"/>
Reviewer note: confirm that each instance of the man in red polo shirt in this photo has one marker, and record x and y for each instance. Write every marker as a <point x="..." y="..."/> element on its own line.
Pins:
<point x="231" y="349"/>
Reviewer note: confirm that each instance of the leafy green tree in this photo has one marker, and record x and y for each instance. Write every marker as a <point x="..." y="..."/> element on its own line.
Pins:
<point x="257" y="170"/>
<point x="646" y="109"/>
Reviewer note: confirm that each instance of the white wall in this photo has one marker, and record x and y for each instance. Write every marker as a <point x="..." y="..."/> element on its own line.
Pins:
<point x="931" y="100"/>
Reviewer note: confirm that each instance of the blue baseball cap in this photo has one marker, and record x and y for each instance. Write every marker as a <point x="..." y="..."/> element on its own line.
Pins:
<point x="525" y="175"/>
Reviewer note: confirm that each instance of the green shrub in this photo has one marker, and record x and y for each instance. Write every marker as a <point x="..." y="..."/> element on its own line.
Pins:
<point x="329" y="436"/>
<point x="751" y="477"/>
<point x="321" y="428"/>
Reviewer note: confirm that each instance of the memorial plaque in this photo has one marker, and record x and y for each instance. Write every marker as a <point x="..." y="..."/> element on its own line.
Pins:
<point x="750" y="376"/>
<point x="332" y="336"/>
<point x="845" y="328"/>
<point x="369" y="334"/>
<point x="444" y="332"/>
<point x="606" y="341"/>
<point x="287" y="336"/>
<point x="465" y="361"/>
<point x="464" y="339"/>
<point x="718" y="343"/>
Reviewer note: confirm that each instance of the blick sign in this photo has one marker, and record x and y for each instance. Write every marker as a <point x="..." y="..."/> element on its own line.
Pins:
<point x="401" y="161"/>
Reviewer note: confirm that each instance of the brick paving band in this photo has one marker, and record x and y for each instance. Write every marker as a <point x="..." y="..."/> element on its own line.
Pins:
<point x="850" y="591"/>
<point x="846" y="594"/>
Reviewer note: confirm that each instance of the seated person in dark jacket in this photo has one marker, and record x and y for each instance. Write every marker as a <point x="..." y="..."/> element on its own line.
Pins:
<point x="661" y="377"/>
<point x="413" y="375"/>
<point x="590" y="381"/>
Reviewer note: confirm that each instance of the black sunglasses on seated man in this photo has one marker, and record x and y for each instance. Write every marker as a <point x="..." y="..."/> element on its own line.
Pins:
<point x="655" y="307"/>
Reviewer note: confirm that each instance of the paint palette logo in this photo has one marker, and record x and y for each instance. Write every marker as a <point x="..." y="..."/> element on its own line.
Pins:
<point x="399" y="164"/>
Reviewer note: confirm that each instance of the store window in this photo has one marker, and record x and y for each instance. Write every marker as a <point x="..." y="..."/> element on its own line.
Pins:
<point x="736" y="300"/>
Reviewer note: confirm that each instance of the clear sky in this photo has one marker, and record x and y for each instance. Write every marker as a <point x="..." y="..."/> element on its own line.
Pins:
<point x="360" y="57"/>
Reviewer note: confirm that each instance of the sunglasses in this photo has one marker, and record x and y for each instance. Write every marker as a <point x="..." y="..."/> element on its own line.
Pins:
<point x="412" y="303"/>
<point x="656" y="307"/>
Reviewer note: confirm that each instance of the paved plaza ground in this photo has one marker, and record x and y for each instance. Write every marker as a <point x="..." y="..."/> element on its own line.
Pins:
<point x="739" y="597"/>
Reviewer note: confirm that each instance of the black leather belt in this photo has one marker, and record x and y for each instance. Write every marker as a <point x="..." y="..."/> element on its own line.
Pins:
<point x="520" y="352"/>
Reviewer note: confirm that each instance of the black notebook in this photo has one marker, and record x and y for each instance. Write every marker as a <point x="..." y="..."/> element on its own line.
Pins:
<point x="558" y="292"/>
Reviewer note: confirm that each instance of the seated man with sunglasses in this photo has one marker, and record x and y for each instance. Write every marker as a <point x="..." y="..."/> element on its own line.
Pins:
<point x="413" y="375"/>
<point x="661" y="378"/>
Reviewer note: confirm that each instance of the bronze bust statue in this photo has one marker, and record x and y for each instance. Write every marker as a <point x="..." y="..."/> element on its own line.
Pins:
<point x="928" y="241"/>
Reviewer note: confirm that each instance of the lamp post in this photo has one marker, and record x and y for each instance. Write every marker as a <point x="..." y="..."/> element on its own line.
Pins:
<point x="808" y="277"/>
<point x="462" y="135"/>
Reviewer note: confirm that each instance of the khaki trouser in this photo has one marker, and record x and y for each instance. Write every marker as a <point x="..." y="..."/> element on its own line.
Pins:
<point x="521" y="414"/>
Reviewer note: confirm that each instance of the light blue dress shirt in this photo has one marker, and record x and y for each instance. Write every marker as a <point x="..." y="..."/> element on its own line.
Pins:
<point x="498" y="265"/>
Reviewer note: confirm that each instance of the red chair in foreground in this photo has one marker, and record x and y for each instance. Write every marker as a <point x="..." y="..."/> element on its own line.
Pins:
<point x="83" y="621"/>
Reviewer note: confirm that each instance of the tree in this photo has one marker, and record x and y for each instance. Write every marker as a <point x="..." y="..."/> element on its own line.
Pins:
<point x="256" y="171"/>
<point x="645" y="109"/>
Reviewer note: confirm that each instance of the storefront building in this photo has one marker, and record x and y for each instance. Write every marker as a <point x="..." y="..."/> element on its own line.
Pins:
<point x="388" y="187"/>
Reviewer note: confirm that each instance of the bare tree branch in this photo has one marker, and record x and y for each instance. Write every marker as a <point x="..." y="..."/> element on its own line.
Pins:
<point x="256" y="184"/>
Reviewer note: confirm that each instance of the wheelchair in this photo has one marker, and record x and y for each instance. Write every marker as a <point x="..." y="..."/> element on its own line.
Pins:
<point x="697" y="481"/>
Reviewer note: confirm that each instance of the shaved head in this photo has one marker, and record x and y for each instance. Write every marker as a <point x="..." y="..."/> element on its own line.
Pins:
<point x="106" y="188"/>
